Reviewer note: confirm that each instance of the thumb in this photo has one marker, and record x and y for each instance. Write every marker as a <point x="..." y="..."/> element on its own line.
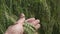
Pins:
<point x="22" y="19"/>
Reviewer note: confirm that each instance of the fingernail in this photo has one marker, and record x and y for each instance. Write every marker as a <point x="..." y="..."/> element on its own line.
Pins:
<point x="22" y="15"/>
<point x="38" y="20"/>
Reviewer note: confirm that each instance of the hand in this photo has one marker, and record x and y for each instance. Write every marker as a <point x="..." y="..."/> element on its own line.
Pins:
<point x="18" y="27"/>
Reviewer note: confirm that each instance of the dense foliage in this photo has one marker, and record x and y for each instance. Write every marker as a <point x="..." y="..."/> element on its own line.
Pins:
<point x="48" y="11"/>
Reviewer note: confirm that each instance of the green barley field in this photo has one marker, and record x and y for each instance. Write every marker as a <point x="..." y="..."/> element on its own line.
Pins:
<point x="47" y="11"/>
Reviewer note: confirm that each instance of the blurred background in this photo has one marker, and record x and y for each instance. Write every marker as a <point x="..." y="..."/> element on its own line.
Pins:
<point x="48" y="11"/>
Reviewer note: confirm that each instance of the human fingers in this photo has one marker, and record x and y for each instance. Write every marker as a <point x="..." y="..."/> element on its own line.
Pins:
<point x="35" y="22"/>
<point x="37" y="26"/>
<point x="30" y="20"/>
<point x="22" y="19"/>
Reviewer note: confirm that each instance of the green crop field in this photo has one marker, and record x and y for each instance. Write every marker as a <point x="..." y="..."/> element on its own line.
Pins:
<point x="47" y="11"/>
